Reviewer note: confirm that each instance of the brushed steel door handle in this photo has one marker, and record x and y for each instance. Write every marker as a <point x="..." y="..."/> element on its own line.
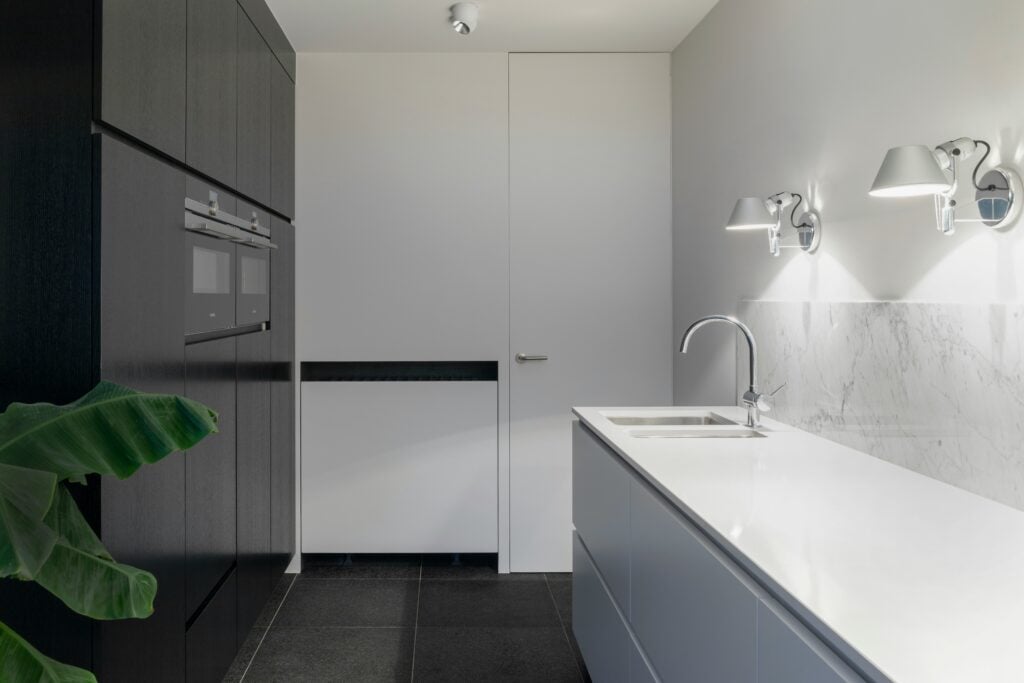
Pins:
<point x="525" y="358"/>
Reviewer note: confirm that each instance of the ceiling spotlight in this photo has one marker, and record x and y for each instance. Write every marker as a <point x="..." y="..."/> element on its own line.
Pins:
<point x="464" y="17"/>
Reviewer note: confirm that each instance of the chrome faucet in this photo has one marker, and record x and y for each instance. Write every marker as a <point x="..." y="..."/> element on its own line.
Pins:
<point x="755" y="402"/>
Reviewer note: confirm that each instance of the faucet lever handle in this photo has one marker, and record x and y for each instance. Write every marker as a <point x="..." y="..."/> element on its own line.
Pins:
<point x="763" y="403"/>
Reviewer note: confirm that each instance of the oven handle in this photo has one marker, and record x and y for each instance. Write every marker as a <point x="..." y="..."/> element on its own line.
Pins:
<point x="256" y="242"/>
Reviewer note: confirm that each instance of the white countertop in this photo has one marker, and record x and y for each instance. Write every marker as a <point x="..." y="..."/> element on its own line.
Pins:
<point x="924" y="580"/>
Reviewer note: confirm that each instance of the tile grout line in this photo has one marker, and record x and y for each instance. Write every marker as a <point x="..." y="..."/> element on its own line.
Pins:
<point x="267" y="630"/>
<point x="416" y="624"/>
<point x="565" y="632"/>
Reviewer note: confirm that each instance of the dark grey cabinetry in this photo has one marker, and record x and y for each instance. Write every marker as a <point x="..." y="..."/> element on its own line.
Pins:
<point x="141" y="70"/>
<point x="210" y="472"/>
<point x="119" y="110"/>
<point x="142" y="519"/>
<point x="282" y="394"/>
<point x="212" y="88"/>
<point x="254" y="63"/>
<point x="211" y="642"/>
<point x="282" y="142"/>
<point x="255" y="580"/>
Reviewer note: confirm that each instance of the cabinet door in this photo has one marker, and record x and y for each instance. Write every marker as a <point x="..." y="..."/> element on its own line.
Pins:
<point x="254" y="62"/>
<point x="141" y="346"/>
<point x="142" y="70"/>
<point x="210" y="472"/>
<point x="599" y="630"/>
<point x="282" y="141"/>
<point x="600" y="509"/>
<point x="255" y="581"/>
<point x="212" y="88"/>
<point x="639" y="672"/>
<point x="694" y="617"/>
<point x="282" y="393"/>
<point x="211" y="642"/>
<point x="788" y="653"/>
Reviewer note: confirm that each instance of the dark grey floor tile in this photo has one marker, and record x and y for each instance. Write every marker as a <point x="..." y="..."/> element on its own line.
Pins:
<point x="349" y="603"/>
<point x="468" y="566"/>
<point x="360" y="567"/>
<point x="244" y="655"/>
<point x="486" y="603"/>
<point x="494" y="654"/>
<point x="365" y="655"/>
<point x="274" y="602"/>
<point x="561" y="593"/>
<point x="559" y="576"/>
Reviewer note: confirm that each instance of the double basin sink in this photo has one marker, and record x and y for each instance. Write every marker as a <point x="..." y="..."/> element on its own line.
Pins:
<point x="683" y="425"/>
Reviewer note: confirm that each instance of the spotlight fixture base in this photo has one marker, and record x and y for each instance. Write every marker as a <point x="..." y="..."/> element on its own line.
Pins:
<point x="999" y="198"/>
<point x="809" y="231"/>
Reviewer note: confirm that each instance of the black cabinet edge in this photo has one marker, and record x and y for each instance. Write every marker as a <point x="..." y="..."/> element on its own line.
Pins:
<point x="400" y="371"/>
<point x="200" y="337"/>
<point x="102" y="128"/>
<point x="266" y="23"/>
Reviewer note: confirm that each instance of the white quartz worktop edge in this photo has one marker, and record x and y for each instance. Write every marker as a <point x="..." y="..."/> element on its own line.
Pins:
<point x="922" y="579"/>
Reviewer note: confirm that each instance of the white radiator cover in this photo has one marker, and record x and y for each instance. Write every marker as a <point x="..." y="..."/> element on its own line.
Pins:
<point x="399" y="467"/>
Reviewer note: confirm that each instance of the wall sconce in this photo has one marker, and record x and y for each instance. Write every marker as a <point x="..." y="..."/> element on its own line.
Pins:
<point x="915" y="171"/>
<point x="752" y="213"/>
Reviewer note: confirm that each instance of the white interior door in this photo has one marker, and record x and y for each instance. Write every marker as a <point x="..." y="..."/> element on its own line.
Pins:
<point x="591" y="268"/>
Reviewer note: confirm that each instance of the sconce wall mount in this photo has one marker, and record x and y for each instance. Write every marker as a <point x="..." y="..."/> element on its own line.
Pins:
<point x="916" y="170"/>
<point x="753" y="213"/>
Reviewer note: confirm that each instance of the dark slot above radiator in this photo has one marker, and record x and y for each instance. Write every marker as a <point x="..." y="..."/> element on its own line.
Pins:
<point x="401" y="371"/>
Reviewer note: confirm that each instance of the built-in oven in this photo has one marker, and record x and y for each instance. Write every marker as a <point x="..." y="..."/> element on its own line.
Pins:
<point x="227" y="280"/>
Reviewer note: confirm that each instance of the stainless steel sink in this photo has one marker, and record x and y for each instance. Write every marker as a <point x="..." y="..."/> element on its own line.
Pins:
<point x="740" y="433"/>
<point x="670" y="420"/>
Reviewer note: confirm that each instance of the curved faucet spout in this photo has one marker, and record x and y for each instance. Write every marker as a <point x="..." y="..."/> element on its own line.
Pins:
<point x="751" y="399"/>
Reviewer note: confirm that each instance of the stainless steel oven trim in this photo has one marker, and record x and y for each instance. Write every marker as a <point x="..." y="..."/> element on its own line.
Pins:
<point x="220" y="230"/>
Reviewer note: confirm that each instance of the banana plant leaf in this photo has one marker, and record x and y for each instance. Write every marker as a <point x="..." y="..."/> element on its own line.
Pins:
<point x="84" y="576"/>
<point x="26" y="541"/>
<point x="111" y="430"/>
<point x="19" y="661"/>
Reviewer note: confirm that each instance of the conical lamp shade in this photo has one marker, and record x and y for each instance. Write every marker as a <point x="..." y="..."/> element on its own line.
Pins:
<point x="910" y="171"/>
<point x="750" y="213"/>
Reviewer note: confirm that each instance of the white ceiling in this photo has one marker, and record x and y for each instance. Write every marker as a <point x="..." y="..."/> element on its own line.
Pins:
<point x="505" y="25"/>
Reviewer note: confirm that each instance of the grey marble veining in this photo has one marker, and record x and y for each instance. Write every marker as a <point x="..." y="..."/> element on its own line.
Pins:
<point x="937" y="388"/>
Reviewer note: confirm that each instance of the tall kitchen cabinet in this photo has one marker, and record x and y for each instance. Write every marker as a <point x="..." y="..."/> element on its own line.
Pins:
<point x="117" y="116"/>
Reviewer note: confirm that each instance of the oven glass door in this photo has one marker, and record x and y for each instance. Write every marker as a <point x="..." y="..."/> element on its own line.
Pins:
<point x="253" y="286"/>
<point x="209" y="284"/>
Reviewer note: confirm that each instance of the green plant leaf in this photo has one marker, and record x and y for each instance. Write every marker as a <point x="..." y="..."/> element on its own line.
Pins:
<point x="25" y="540"/>
<point x="81" y="572"/>
<point x="19" y="662"/>
<point x="111" y="430"/>
<point x="97" y="587"/>
<point x="66" y="520"/>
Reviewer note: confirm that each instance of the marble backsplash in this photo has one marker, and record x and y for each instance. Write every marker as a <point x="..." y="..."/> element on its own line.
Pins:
<point x="937" y="388"/>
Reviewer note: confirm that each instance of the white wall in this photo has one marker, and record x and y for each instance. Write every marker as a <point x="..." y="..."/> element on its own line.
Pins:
<point x="807" y="96"/>
<point x="402" y="182"/>
<point x="402" y="207"/>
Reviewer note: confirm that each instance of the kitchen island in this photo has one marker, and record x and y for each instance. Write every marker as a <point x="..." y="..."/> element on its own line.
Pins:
<point x="773" y="555"/>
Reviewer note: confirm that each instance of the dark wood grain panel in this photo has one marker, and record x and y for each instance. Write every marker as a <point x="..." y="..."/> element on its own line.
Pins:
<point x="254" y="62"/>
<point x="282" y="142"/>
<point x="263" y="19"/>
<point x="141" y="346"/>
<point x="211" y="642"/>
<point x="255" y="581"/>
<point x="282" y="394"/>
<point x="141" y="70"/>
<point x="210" y="472"/>
<point x="212" y="88"/>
